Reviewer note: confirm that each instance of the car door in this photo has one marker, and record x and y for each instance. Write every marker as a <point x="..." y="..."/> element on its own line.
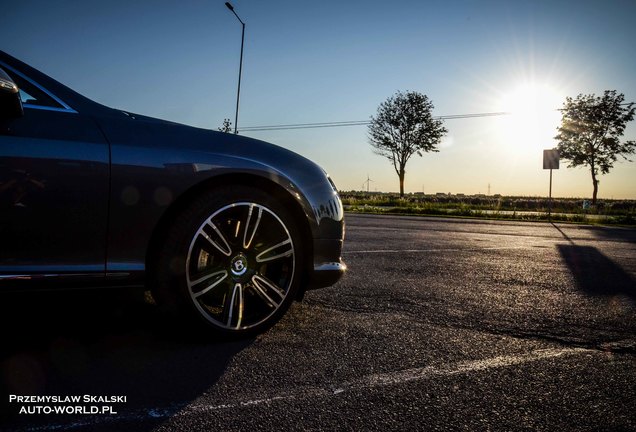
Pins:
<point x="54" y="188"/>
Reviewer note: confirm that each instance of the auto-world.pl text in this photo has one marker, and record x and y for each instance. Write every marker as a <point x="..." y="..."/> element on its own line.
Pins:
<point x="76" y="404"/>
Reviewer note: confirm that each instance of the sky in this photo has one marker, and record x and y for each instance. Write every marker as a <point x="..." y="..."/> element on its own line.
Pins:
<point x="333" y="61"/>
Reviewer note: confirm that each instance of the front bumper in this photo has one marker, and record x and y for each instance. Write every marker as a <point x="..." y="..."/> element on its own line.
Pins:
<point x="326" y="274"/>
<point x="328" y="267"/>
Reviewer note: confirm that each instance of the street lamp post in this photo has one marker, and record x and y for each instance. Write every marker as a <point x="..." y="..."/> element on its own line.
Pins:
<point x="238" y="92"/>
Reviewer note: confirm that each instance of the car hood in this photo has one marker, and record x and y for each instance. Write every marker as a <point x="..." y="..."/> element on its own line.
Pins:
<point x="197" y="144"/>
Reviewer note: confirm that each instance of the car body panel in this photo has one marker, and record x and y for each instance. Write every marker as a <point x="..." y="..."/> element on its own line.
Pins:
<point x="129" y="171"/>
<point x="54" y="173"/>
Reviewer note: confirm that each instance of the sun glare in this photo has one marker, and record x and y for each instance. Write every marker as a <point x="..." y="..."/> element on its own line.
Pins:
<point x="534" y="115"/>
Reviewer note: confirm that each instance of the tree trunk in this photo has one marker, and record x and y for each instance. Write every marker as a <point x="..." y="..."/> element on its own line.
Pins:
<point x="595" y="184"/>
<point x="401" y="176"/>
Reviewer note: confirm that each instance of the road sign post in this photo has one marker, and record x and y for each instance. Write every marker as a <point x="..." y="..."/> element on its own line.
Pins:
<point x="550" y="161"/>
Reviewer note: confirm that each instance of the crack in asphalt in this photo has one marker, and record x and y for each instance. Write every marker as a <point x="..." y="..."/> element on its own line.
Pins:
<point x="618" y="345"/>
<point x="419" y="226"/>
<point x="364" y="383"/>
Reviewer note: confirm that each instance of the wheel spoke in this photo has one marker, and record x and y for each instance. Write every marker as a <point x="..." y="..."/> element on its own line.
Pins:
<point x="251" y="231"/>
<point x="225" y="248"/>
<point x="236" y="301"/>
<point x="281" y="253"/>
<point x="267" y="289"/>
<point x="242" y="256"/>
<point x="218" y="276"/>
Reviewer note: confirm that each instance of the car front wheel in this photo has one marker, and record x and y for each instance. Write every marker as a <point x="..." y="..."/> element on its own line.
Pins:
<point x="232" y="260"/>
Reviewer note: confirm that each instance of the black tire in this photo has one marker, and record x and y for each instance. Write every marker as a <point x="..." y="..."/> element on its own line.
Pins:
<point x="232" y="261"/>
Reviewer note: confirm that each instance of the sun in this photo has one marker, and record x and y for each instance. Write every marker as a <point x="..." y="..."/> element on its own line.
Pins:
<point x="533" y="115"/>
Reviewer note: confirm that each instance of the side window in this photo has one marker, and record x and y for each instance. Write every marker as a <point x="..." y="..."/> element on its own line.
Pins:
<point x="32" y="95"/>
<point x="27" y="98"/>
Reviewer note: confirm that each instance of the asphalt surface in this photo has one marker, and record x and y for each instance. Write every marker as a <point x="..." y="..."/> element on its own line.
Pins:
<point x="440" y="324"/>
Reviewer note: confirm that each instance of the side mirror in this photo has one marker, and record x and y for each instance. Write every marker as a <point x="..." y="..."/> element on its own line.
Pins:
<point x="10" y="102"/>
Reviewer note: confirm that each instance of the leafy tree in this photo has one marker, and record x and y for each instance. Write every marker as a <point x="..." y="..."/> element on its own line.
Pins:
<point x="226" y="127"/>
<point x="590" y="130"/>
<point x="404" y="125"/>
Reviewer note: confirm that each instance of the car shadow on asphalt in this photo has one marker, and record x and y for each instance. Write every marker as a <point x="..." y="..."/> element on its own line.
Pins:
<point x="102" y="343"/>
<point x="595" y="274"/>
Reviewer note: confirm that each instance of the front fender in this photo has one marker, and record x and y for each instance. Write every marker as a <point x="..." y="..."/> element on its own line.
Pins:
<point x="146" y="181"/>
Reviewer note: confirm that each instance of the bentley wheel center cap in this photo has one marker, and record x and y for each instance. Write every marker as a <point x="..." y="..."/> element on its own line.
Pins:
<point x="238" y="267"/>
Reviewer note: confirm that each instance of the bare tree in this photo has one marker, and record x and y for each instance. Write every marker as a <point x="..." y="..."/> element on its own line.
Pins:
<point x="226" y="127"/>
<point x="590" y="132"/>
<point x="404" y="125"/>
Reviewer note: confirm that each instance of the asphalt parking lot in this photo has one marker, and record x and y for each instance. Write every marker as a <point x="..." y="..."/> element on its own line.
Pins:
<point x="440" y="324"/>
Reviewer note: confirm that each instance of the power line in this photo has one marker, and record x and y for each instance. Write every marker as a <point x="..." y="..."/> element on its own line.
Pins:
<point x="357" y="122"/>
<point x="305" y="125"/>
<point x="367" y="122"/>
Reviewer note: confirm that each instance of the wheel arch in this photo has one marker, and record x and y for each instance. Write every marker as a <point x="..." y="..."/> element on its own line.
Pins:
<point x="244" y="179"/>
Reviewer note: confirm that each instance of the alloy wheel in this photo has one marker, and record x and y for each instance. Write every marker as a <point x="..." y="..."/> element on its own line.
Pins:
<point x="240" y="266"/>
